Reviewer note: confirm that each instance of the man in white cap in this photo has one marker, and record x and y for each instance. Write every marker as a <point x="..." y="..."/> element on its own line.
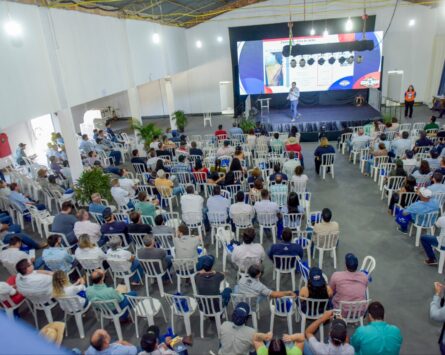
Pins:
<point x="425" y="205"/>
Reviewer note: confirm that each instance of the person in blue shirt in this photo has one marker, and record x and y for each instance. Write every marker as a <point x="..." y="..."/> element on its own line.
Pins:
<point x="136" y="159"/>
<point x="423" y="141"/>
<point x="194" y="150"/>
<point x="111" y="133"/>
<point x="286" y="247"/>
<point x="20" y="154"/>
<point x="277" y="171"/>
<point x="20" y="200"/>
<point x="86" y="145"/>
<point x="323" y="148"/>
<point x="101" y="344"/>
<point x="59" y="257"/>
<point x="181" y="166"/>
<point x="426" y="204"/>
<point x="235" y="130"/>
<point x="436" y="183"/>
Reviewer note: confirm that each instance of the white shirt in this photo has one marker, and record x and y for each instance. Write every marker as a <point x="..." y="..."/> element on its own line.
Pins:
<point x="294" y="94"/>
<point x="440" y="223"/>
<point x="289" y="167"/>
<point x="303" y="178"/>
<point x="89" y="253"/>
<point x="191" y="203"/>
<point x="218" y="204"/>
<point x="87" y="227"/>
<point x="35" y="284"/>
<point x="119" y="254"/>
<point x="6" y="289"/>
<point x="359" y="141"/>
<point x="254" y="250"/>
<point x="265" y="206"/>
<point x="11" y="256"/>
<point x="151" y="163"/>
<point x="120" y="195"/>
<point x="154" y="145"/>
<point x="127" y="185"/>
<point x="400" y="146"/>
<point x="225" y="151"/>
<point x="409" y="162"/>
<point x="241" y="207"/>
<point x="73" y="290"/>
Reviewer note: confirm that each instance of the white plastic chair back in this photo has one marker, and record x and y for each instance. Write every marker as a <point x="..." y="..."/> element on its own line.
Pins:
<point x="217" y="218"/>
<point x="70" y="304"/>
<point x="297" y="186"/>
<point x="267" y="219"/>
<point x="285" y="263"/>
<point x="139" y="168"/>
<point x="98" y="217"/>
<point x="242" y="220"/>
<point x="152" y="267"/>
<point x="185" y="268"/>
<point x="426" y="220"/>
<point x="90" y="264"/>
<point x="368" y="264"/>
<point x="148" y="220"/>
<point x="293" y="220"/>
<point x="119" y="266"/>
<point x="314" y="308"/>
<point x="121" y="235"/>
<point x="138" y="239"/>
<point x="192" y="219"/>
<point x="122" y="217"/>
<point x="280" y="198"/>
<point x="326" y="241"/>
<point x="353" y="312"/>
<point x="165" y="242"/>
<point x="327" y="159"/>
<point x="108" y="309"/>
<point x="210" y="306"/>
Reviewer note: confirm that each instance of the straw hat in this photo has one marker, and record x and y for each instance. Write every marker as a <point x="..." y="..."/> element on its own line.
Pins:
<point x="54" y="332"/>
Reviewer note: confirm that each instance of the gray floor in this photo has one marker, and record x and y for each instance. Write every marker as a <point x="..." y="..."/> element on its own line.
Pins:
<point x="401" y="281"/>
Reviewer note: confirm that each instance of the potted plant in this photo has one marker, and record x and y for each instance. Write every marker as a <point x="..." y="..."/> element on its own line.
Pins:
<point x="147" y="132"/>
<point x="92" y="181"/>
<point x="181" y="120"/>
<point x="247" y="125"/>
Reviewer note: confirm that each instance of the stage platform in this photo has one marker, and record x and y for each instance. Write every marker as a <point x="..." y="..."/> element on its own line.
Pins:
<point x="312" y="120"/>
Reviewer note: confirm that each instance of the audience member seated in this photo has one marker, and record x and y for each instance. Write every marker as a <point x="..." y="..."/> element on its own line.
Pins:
<point x="423" y="141"/>
<point x="199" y="168"/>
<point x="359" y="140"/>
<point x="238" y="153"/>
<point x="111" y="226"/>
<point x="163" y="182"/>
<point x="160" y="227"/>
<point x="325" y="226"/>
<point x="152" y="159"/>
<point x="422" y="170"/>
<point x="290" y="344"/>
<point x="150" y="343"/>
<point x="57" y="255"/>
<point x="277" y="172"/>
<point x="10" y="256"/>
<point x="151" y="252"/>
<point x="248" y="249"/>
<point x="380" y="151"/>
<point x="432" y="124"/>
<point x="217" y="203"/>
<point x="279" y="186"/>
<point x="322" y="149"/>
<point x="235" y="130"/>
<point x="338" y="337"/>
<point x="194" y="150"/>
<point x="426" y="204"/>
<point x="401" y="145"/>
<point x="100" y="344"/>
<point x="434" y="160"/>
<point x="136" y="159"/>
<point x="250" y="284"/>
<point x="210" y="282"/>
<point x="87" y="250"/>
<point x="186" y="245"/>
<point x="14" y="230"/>
<point x="96" y="205"/>
<point x="64" y="222"/>
<point x="316" y="287"/>
<point x="276" y="144"/>
<point x="126" y="183"/>
<point x="382" y="139"/>
<point x="110" y="132"/>
<point x="240" y="207"/>
<point x="182" y="150"/>
<point x="286" y="247"/>
<point x="292" y="145"/>
<point x="33" y="283"/>
<point x="430" y="241"/>
<point x="436" y="183"/>
<point x="409" y="162"/>
<point x="398" y="170"/>
<point x="192" y="203"/>
<point x="145" y="206"/>
<point x="225" y="150"/>
<point x="10" y="288"/>
<point x="255" y="191"/>
<point x="120" y="195"/>
<point x="116" y="252"/>
<point x="377" y="337"/>
<point x="349" y="285"/>
<point x="221" y="133"/>
<point x="299" y="177"/>
<point x="408" y="186"/>
<point x="293" y="204"/>
<point x="63" y="288"/>
<point x="22" y="201"/>
<point x="137" y="226"/>
<point x="85" y="226"/>
<point x="290" y="164"/>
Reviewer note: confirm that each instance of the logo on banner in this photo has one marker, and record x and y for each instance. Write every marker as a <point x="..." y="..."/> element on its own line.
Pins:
<point x="369" y="82"/>
<point x="344" y="83"/>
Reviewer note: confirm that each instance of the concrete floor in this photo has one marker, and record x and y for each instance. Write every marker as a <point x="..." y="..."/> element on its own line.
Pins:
<point x="400" y="281"/>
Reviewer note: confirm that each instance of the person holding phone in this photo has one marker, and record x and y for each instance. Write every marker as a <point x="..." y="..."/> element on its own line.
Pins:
<point x="410" y="96"/>
<point x="293" y="97"/>
<point x="437" y="312"/>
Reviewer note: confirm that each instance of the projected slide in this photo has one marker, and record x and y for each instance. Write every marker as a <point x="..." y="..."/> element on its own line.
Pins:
<point x="315" y="63"/>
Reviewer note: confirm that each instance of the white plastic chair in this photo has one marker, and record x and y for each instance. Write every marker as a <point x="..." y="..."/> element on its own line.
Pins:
<point x="354" y="312"/>
<point x="208" y="118"/>
<point x="293" y="220"/>
<point x="282" y="307"/>
<point x="72" y="306"/>
<point x="41" y="303"/>
<point x="326" y="243"/>
<point x="194" y="221"/>
<point x="385" y="169"/>
<point x="210" y="307"/>
<point x="224" y="235"/>
<point x="376" y="166"/>
<point x="440" y="197"/>
<point x="313" y="309"/>
<point x="267" y="220"/>
<point x="185" y="269"/>
<point x="89" y="265"/>
<point x="252" y="301"/>
<point x="110" y="310"/>
<point x="280" y="198"/>
<point x="424" y="221"/>
<point x="368" y="266"/>
<point x="181" y="306"/>
<point x="216" y="220"/>
<point x="153" y="270"/>
<point x="8" y="305"/>
<point x="286" y="265"/>
<point x="121" y="269"/>
<point x="165" y="242"/>
<point x="344" y="139"/>
<point x="138" y="240"/>
<point x="301" y="238"/>
<point x="167" y="196"/>
<point x="407" y="197"/>
<point x="241" y="221"/>
<point x="394" y="183"/>
<point x="327" y="162"/>
<point x="145" y="307"/>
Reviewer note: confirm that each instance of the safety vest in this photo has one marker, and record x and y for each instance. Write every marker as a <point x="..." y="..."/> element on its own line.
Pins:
<point x="410" y="96"/>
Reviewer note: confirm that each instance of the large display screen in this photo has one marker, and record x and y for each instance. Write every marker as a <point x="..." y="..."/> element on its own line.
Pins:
<point x="315" y="63"/>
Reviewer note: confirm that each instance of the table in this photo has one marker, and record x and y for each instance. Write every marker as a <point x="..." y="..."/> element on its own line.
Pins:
<point x="264" y="104"/>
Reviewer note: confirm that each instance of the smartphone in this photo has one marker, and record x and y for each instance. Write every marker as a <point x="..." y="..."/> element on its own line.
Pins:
<point x="336" y="313"/>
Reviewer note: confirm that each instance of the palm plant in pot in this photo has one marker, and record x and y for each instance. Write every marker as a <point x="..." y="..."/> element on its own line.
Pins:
<point x="146" y="132"/>
<point x="92" y="181"/>
<point x="181" y="120"/>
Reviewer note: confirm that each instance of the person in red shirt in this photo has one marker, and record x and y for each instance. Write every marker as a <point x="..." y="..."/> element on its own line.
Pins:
<point x="221" y="133"/>
<point x="292" y="145"/>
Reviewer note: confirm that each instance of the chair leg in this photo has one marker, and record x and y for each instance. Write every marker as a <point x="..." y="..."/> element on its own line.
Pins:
<point x="289" y="323"/>
<point x="160" y="285"/>
<point x="201" y="324"/>
<point x="261" y="234"/>
<point x="178" y="281"/>
<point x="274" y="234"/>
<point x="332" y="171"/>
<point x="48" y="314"/>
<point x="117" y="325"/>
<point x="441" y="262"/>
<point x="334" y="256"/>
<point x="218" y="324"/>
<point x="254" y="321"/>
<point x="320" y="259"/>
<point x="272" y="315"/>
<point x="172" y="320"/>
<point x="292" y="275"/>
<point x="321" y="333"/>
<point x="278" y="280"/>
<point x="188" y="327"/>
<point x="418" y="232"/>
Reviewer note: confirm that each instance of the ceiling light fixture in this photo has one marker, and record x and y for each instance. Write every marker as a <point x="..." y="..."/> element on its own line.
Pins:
<point x="325" y="32"/>
<point x="156" y="38"/>
<point x="13" y="28"/>
<point x="411" y="22"/>
<point x="198" y="44"/>
<point x="312" y="31"/>
<point x="349" y="25"/>
<point x="219" y="39"/>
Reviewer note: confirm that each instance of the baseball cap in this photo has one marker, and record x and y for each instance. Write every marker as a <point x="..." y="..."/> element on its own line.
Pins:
<point x="240" y="313"/>
<point x="160" y="173"/>
<point x="106" y="213"/>
<point x="150" y="339"/>
<point x="205" y="262"/>
<point x="351" y="261"/>
<point x="316" y="277"/>
<point x="339" y="331"/>
<point x="427" y="193"/>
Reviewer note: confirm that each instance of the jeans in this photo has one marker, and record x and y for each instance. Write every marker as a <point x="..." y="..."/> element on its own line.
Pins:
<point x="5" y="218"/>
<point x="177" y="190"/>
<point x="442" y="348"/>
<point x="293" y="108"/>
<point x="125" y="303"/>
<point x="117" y="156"/>
<point x="38" y="263"/>
<point x="27" y="240"/>
<point x="428" y="242"/>
<point x="136" y="265"/>
<point x="307" y="348"/>
<point x="112" y="170"/>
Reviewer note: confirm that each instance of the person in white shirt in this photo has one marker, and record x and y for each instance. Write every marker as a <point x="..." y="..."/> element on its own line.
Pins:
<point x="248" y="249"/>
<point x="126" y="183"/>
<point x="63" y="288"/>
<point x="266" y="205"/>
<point x="359" y="141"/>
<point x="299" y="180"/>
<point x="290" y="165"/>
<point x="401" y="145"/>
<point x="7" y="289"/>
<point x="185" y="244"/>
<point x="226" y="149"/>
<point x="116" y="252"/>
<point x="121" y="196"/>
<point x="85" y="226"/>
<point x="409" y="162"/>
<point x="155" y="143"/>
<point x="33" y="283"/>
<point x="293" y="96"/>
<point x="240" y="207"/>
<point x="217" y="203"/>
<point x="12" y="255"/>
<point x="430" y="241"/>
<point x="191" y="206"/>
<point x="88" y="251"/>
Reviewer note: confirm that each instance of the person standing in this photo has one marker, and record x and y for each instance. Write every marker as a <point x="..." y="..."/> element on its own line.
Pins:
<point x="410" y="96"/>
<point x="294" y="95"/>
<point x="437" y="312"/>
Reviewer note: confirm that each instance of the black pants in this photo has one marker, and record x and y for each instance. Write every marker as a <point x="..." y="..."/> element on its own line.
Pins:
<point x="317" y="165"/>
<point x="409" y="106"/>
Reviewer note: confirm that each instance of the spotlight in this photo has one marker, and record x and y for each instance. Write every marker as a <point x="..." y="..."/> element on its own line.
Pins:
<point x="359" y="59"/>
<point x="331" y="60"/>
<point x="311" y="61"/>
<point x="293" y="63"/>
<point x="342" y="60"/>
<point x="321" y="61"/>
<point x="325" y="32"/>
<point x="219" y="39"/>
<point x="411" y="22"/>
<point x="302" y="62"/>
<point x="156" y="38"/>
<point x="350" y="60"/>
<point x="198" y="44"/>
<point x="12" y="28"/>
<point x="349" y="25"/>
<point x="312" y="32"/>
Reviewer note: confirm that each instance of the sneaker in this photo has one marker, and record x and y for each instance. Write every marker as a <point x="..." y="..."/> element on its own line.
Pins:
<point x="402" y="231"/>
<point x="292" y="120"/>
<point x="430" y="262"/>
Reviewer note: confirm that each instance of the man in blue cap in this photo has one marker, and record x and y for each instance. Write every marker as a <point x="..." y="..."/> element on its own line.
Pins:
<point x="349" y="285"/>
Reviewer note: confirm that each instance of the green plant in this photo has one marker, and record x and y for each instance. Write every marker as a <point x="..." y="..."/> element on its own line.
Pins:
<point x="387" y="118"/>
<point x="181" y="120"/>
<point x="92" y="181"/>
<point x="147" y="132"/>
<point x="247" y="125"/>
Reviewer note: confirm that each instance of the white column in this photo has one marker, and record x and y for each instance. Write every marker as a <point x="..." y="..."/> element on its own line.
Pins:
<point x="170" y="100"/>
<point x="70" y="137"/>
<point x="133" y="99"/>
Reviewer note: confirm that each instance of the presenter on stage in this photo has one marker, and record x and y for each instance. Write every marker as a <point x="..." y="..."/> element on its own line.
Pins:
<point x="410" y="96"/>
<point x="294" y="95"/>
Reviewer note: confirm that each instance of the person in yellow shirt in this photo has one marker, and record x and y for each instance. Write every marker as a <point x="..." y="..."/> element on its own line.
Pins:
<point x="166" y="185"/>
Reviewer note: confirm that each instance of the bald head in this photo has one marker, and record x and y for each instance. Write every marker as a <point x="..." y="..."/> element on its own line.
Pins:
<point x="100" y="340"/>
